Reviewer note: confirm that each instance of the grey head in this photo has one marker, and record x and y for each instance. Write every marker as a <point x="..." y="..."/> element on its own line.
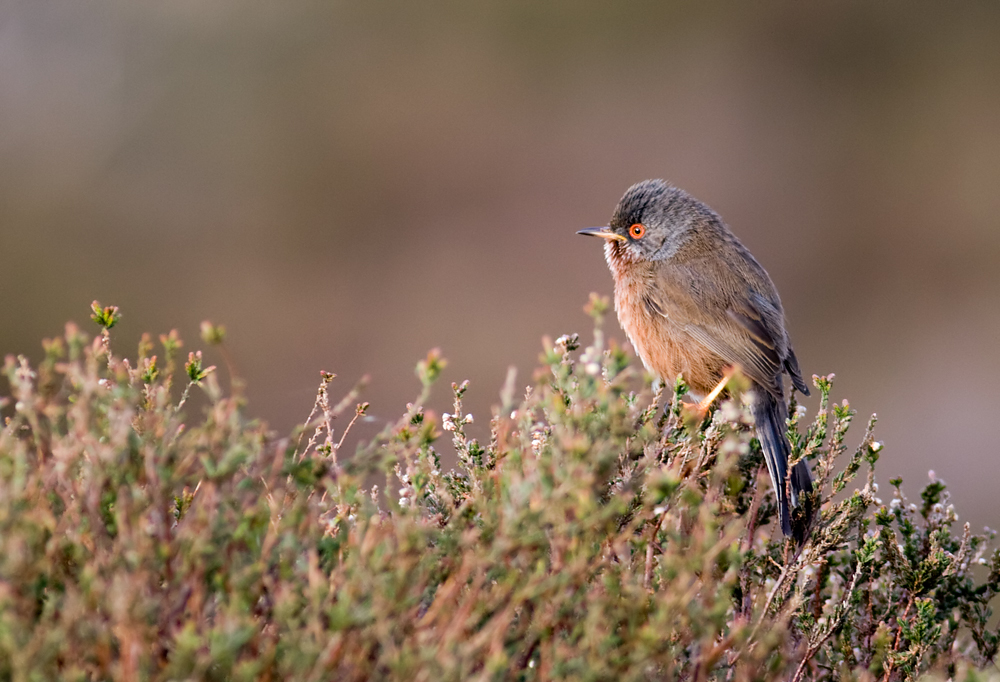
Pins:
<point x="666" y="216"/>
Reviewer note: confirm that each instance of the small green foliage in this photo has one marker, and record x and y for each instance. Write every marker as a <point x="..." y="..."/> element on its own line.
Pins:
<point x="597" y="307"/>
<point x="212" y="334"/>
<point x="149" y="370"/>
<point x="107" y="317"/>
<point x="429" y="369"/>
<point x="171" y="343"/>
<point x="591" y="535"/>
<point x="196" y="372"/>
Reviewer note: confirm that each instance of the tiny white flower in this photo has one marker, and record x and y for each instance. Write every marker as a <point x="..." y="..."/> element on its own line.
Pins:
<point x="730" y="412"/>
<point x="659" y="510"/>
<point x="875" y="487"/>
<point x="800" y="411"/>
<point x="877" y="445"/>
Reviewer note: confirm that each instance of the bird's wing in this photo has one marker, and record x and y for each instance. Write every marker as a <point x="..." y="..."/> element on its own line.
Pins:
<point x="743" y="331"/>
<point x="727" y="338"/>
<point x="792" y="367"/>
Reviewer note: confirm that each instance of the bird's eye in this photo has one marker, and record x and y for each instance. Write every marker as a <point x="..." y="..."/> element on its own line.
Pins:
<point x="637" y="230"/>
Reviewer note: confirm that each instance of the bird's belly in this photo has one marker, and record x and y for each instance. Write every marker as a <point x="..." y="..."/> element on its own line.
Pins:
<point x="666" y="349"/>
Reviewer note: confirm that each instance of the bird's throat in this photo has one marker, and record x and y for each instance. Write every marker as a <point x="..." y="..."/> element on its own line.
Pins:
<point x="619" y="257"/>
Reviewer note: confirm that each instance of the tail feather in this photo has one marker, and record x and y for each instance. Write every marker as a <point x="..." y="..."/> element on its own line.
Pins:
<point x="802" y="481"/>
<point x="770" y="415"/>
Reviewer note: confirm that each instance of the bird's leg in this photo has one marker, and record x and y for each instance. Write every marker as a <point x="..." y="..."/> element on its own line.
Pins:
<point x="707" y="401"/>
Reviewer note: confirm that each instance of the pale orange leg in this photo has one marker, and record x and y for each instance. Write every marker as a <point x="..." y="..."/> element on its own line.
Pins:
<point x="707" y="401"/>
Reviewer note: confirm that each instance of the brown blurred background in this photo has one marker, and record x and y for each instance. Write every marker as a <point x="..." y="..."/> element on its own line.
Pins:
<point x="345" y="185"/>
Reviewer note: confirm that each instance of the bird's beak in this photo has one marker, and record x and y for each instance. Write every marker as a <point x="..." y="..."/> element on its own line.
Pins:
<point x="603" y="232"/>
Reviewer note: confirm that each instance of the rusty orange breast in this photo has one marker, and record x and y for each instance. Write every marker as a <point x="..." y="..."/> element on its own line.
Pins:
<point x="664" y="347"/>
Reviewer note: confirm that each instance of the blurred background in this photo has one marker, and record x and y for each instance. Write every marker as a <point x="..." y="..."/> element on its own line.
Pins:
<point x="345" y="185"/>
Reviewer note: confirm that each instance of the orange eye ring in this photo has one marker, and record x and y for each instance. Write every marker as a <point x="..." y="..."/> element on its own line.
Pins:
<point x="637" y="231"/>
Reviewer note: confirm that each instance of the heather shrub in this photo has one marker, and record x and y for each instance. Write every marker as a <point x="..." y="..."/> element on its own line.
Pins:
<point x="603" y="531"/>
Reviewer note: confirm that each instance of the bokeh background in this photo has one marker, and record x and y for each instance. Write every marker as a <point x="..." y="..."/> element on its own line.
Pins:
<point x="345" y="185"/>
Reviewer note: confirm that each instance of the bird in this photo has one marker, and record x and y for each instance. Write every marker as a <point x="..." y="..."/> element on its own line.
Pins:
<point x="694" y="302"/>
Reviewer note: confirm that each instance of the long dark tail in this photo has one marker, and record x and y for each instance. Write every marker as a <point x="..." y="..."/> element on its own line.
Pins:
<point x="770" y="416"/>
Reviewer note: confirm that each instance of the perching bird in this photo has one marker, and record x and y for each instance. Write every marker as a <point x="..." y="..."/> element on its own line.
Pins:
<point x="694" y="302"/>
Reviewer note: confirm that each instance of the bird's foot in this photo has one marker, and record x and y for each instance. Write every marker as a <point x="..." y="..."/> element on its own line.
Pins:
<point x="695" y="414"/>
<point x="706" y="402"/>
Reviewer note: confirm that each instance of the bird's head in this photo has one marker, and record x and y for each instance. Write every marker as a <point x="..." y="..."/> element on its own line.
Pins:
<point x="652" y="221"/>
